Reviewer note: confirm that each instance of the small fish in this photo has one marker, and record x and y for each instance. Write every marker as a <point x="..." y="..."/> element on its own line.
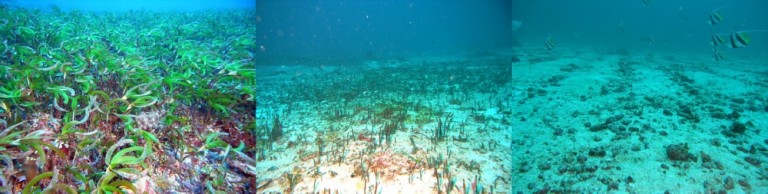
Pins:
<point x="718" y="56"/>
<point x="646" y="3"/>
<point x="717" y="40"/>
<point x="549" y="44"/>
<point x="714" y="17"/>
<point x="739" y="40"/>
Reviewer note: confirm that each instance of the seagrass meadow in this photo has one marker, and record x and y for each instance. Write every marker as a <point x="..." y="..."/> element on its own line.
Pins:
<point x="127" y="101"/>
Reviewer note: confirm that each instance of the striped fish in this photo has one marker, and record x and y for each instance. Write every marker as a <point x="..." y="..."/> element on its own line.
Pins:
<point x="549" y="44"/>
<point x="739" y="40"/>
<point x="718" y="56"/>
<point x="717" y="40"/>
<point x="714" y="17"/>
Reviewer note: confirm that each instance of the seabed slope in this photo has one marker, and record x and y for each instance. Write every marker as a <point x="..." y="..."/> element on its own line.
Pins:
<point x="575" y="120"/>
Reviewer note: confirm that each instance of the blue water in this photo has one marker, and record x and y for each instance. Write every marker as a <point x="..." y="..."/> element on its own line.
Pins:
<point x="354" y="29"/>
<point x="679" y="26"/>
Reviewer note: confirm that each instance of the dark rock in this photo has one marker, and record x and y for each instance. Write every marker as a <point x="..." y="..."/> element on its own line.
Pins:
<point x="592" y="168"/>
<point x="604" y="90"/>
<point x="757" y="147"/>
<point x="729" y="183"/>
<point x="544" y="190"/>
<point x="616" y="128"/>
<point x="752" y="160"/>
<point x="522" y="119"/>
<point x="558" y="132"/>
<point x="705" y="158"/>
<point x="667" y="112"/>
<point x="719" y="165"/>
<point x="597" y="152"/>
<point x="613" y="185"/>
<point x="687" y="112"/>
<point x="614" y="119"/>
<point x="693" y="92"/>
<point x="663" y="133"/>
<point x="604" y="125"/>
<point x="626" y="122"/>
<point x="581" y="159"/>
<point x="650" y="99"/>
<point x="599" y="127"/>
<point x="718" y="114"/>
<point x="749" y="124"/>
<point x="708" y="162"/>
<point x="630" y="179"/>
<point x="752" y="149"/>
<point x="545" y="166"/>
<point x="604" y="180"/>
<point x="664" y="166"/>
<point x="744" y="184"/>
<point x="555" y="80"/>
<point x="620" y="135"/>
<point x="679" y="152"/>
<point x="715" y="142"/>
<point x="738" y="127"/>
